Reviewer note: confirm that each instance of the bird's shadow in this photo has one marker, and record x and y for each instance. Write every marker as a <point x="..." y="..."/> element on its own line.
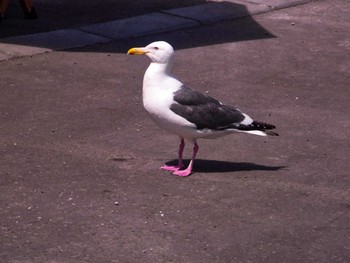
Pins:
<point x="214" y="166"/>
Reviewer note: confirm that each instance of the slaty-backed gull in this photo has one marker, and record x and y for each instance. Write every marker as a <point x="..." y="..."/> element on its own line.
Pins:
<point x="187" y="113"/>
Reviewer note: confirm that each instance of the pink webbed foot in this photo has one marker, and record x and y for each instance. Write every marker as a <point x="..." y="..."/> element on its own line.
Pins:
<point x="171" y="167"/>
<point x="183" y="173"/>
<point x="177" y="168"/>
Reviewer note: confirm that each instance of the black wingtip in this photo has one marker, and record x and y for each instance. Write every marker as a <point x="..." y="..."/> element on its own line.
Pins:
<point x="259" y="126"/>
<point x="262" y="125"/>
<point x="271" y="133"/>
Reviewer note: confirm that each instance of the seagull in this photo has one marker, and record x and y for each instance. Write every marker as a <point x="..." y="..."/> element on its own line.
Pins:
<point x="189" y="114"/>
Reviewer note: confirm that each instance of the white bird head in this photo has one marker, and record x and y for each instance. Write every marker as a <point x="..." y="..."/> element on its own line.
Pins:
<point x="159" y="52"/>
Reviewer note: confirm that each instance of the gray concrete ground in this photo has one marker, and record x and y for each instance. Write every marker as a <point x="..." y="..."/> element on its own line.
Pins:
<point x="79" y="156"/>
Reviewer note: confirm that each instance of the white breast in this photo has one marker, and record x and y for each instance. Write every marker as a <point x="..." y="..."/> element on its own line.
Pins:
<point x="158" y="91"/>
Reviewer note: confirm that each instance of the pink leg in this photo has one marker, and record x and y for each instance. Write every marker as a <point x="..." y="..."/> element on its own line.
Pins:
<point x="180" y="163"/>
<point x="188" y="170"/>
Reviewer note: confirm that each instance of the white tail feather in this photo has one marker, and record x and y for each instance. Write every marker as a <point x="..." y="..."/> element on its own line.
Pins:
<point x="260" y="133"/>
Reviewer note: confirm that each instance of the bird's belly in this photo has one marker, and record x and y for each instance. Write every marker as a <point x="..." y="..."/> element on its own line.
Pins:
<point x="171" y="122"/>
<point x="166" y="119"/>
<point x="158" y="103"/>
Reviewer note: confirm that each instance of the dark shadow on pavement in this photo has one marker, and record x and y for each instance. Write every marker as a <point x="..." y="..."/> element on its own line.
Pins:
<point x="215" y="166"/>
<point x="63" y="14"/>
<point x="243" y="29"/>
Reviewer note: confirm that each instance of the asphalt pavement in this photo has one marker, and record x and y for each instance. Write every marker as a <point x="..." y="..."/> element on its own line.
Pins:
<point x="79" y="156"/>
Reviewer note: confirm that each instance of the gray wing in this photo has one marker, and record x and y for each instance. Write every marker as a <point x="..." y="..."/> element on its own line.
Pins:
<point x="204" y="111"/>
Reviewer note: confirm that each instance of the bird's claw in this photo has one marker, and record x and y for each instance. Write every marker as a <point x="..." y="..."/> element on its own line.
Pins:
<point x="171" y="168"/>
<point x="182" y="173"/>
<point x="176" y="169"/>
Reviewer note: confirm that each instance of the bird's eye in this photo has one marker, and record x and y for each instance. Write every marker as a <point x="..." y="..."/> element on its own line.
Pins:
<point x="156" y="48"/>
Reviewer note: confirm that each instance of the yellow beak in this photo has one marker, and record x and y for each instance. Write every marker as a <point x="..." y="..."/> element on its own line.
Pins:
<point x="137" y="51"/>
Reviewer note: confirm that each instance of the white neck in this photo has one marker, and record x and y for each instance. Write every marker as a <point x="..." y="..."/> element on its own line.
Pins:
<point x="160" y="67"/>
<point x="156" y="72"/>
<point x="159" y="77"/>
